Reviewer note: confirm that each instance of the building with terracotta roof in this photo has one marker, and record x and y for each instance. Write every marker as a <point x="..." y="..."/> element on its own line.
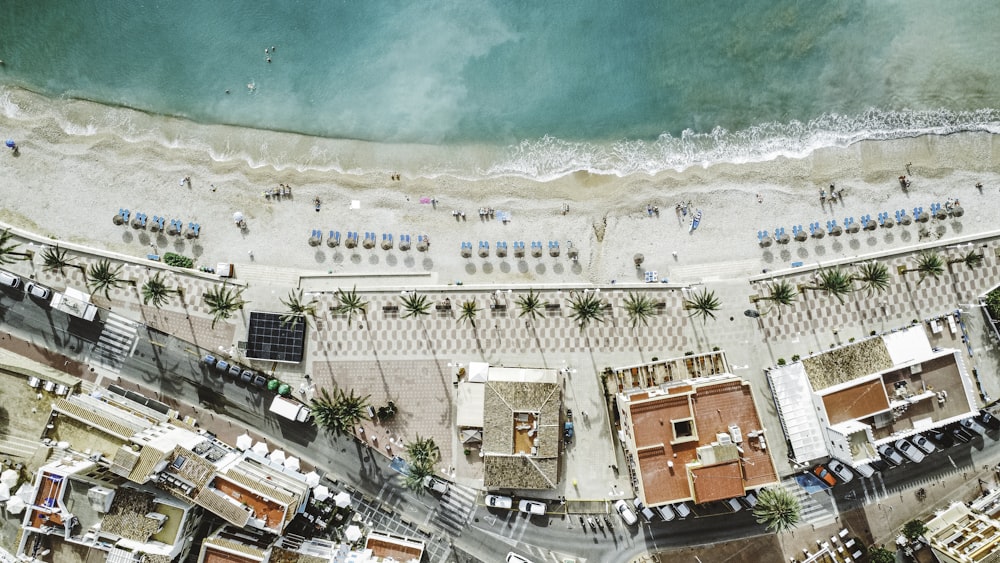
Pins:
<point x="847" y="401"/>
<point x="697" y="439"/>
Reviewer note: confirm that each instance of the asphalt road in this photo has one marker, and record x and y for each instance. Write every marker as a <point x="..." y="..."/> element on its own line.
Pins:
<point x="172" y="368"/>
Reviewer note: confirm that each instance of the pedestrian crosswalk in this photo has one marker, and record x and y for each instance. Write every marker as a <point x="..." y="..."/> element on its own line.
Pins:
<point x="810" y="511"/>
<point x="455" y="509"/>
<point x="116" y="343"/>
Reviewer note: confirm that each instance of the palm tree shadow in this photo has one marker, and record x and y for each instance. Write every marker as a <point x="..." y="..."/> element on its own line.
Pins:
<point x="378" y="360"/>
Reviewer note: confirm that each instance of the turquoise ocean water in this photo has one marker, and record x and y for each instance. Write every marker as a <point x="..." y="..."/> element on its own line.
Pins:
<point x="539" y="88"/>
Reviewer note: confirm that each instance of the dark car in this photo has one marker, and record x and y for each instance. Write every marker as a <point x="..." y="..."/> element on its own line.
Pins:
<point x="942" y="438"/>
<point x="879" y="465"/>
<point x="987" y="419"/>
<point x="259" y="381"/>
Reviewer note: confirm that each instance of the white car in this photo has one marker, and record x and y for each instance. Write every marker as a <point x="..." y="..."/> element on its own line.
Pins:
<point x="923" y="443"/>
<point x="515" y="558"/>
<point x="910" y="451"/>
<point x="496" y="501"/>
<point x="626" y="513"/>
<point x="840" y="470"/>
<point x="532" y="507"/>
<point x="439" y="486"/>
<point x="666" y="512"/>
<point x="37" y="291"/>
<point x="10" y="280"/>
<point x="890" y="454"/>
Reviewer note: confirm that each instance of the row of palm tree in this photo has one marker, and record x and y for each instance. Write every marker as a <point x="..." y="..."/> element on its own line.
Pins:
<point x="423" y="454"/>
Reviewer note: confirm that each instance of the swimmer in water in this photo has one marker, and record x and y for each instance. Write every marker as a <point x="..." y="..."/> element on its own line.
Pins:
<point x="251" y="86"/>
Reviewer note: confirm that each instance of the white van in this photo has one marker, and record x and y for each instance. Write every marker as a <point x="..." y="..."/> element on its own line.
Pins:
<point x="682" y="510"/>
<point x="864" y="470"/>
<point x="666" y="512"/>
<point x="734" y="505"/>
<point x="292" y="410"/>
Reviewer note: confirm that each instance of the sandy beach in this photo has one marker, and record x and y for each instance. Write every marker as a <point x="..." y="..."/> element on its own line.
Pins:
<point x="70" y="185"/>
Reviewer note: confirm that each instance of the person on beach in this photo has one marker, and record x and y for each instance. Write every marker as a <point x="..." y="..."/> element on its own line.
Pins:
<point x="979" y="186"/>
<point x="760" y="198"/>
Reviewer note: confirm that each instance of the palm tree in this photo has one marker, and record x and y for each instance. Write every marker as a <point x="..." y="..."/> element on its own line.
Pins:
<point x="639" y="309"/>
<point x="351" y="304"/>
<point x="468" y="313"/>
<point x="587" y="307"/>
<point x="833" y="281"/>
<point x="55" y="259"/>
<point x="423" y="451"/>
<point x="777" y="509"/>
<point x="102" y="277"/>
<point x="415" y="305"/>
<point x="781" y="294"/>
<point x="156" y="291"/>
<point x="8" y="249"/>
<point x="324" y="412"/>
<point x="297" y="308"/>
<point x="414" y="480"/>
<point x="340" y="413"/>
<point x="223" y="301"/>
<point x="972" y="259"/>
<point x="929" y="263"/>
<point x="531" y="305"/>
<point x="703" y="304"/>
<point x="351" y="409"/>
<point x="873" y="277"/>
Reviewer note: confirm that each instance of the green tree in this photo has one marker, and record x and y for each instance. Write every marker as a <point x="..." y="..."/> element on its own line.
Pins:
<point x="414" y="480"/>
<point x="155" y="291"/>
<point x="639" y="309"/>
<point x="223" y="301"/>
<point x="531" y="305"/>
<point x="54" y="259"/>
<point x="423" y="451"/>
<point x="781" y="294"/>
<point x="914" y="529"/>
<point x="468" y="312"/>
<point x="993" y="304"/>
<point x="103" y="277"/>
<point x="352" y="408"/>
<point x="832" y="281"/>
<point x="702" y="304"/>
<point x="929" y="264"/>
<point x="972" y="259"/>
<point x="873" y="277"/>
<point x="298" y="308"/>
<point x="415" y="305"/>
<point x="324" y="412"/>
<point x="586" y="307"/>
<point x="351" y="304"/>
<point x="8" y="249"/>
<point x="339" y="413"/>
<point x="777" y="509"/>
<point x="879" y="554"/>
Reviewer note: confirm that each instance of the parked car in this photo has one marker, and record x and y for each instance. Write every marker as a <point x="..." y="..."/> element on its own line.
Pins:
<point x="890" y="454"/>
<point x="10" y="280"/>
<point x="942" y="438"/>
<point x="734" y="504"/>
<point x="970" y="425"/>
<point x="531" y="507"/>
<point x="923" y="443"/>
<point x="647" y="513"/>
<point x="961" y="434"/>
<point x="865" y="469"/>
<point x="840" y="470"/>
<point x="38" y="292"/>
<point x="750" y="500"/>
<point x="824" y="475"/>
<point x="497" y="501"/>
<point x="625" y="512"/>
<point x="666" y="512"/>
<point x="515" y="558"/>
<point x="879" y="465"/>
<point x="682" y="510"/>
<point x="985" y="418"/>
<point x="909" y="450"/>
<point x="436" y="484"/>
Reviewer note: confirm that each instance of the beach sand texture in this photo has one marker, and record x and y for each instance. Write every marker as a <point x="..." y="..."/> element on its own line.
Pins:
<point x="69" y="186"/>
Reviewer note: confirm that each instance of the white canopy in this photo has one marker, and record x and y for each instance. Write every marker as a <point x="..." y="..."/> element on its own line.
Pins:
<point x="321" y="492"/>
<point x="342" y="500"/>
<point x="244" y="441"/>
<point x="4" y="492"/>
<point x="353" y="533"/>
<point x="478" y="371"/>
<point x="15" y="505"/>
<point x="292" y="462"/>
<point x="312" y="478"/>
<point x="9" y="477"/>
<point x="277" y="456"/>
<point x="260" y="448"/>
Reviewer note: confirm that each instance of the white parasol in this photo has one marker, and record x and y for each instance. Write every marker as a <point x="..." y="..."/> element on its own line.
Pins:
<point x="4" y="493"/>
<point x="342" y="500"/>
<point x="15" y="505"/>
<point x="238" y="216"/>
<point x="244" y="441"/>
<point x="352" y="533"/>
<point x="312" y="478"/>
<point x="321" y="492"/>
<point x="292" y="462"/>
<point x="260" y="448"/>
<point x="9" y="477"/>
<point x="277" y="456"/>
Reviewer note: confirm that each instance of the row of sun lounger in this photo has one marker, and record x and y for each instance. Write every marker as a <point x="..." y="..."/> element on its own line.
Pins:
<point x="369" y="240"/>
<point x="518" y="246"/>
<point x="141" y="220"/>
<point x="883" y="219"/>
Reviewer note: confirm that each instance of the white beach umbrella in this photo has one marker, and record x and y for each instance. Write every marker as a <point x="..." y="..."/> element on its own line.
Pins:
<point x="15" y="505"/>
<point x="238" y="216"/>
<point x="4" y="493"/>
<point x="277" y="456"/>
<point x="353" y="533"/>
<point x="292" y="462"/>
<point x="9" y="477"/>
<point x="312" y="478"/>
<point x="244" y="441"/>
<point x="321" y="492"/>
<point x="342" y="500"/>
<point x="260" y="448"/>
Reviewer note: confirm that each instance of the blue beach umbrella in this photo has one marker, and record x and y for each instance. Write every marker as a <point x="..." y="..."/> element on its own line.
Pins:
<point x="11" y="144"/>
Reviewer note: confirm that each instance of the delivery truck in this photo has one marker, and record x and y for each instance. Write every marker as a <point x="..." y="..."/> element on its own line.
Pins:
<point x="290" y="409"/>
